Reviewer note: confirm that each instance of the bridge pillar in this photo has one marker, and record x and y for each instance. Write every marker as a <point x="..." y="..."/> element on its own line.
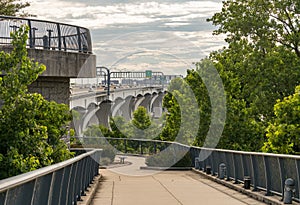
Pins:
<point x="52" y="88"/>
<point x="127" y="108"/>
<point x="78" y="114"/>
<point x="146" y="102"/>
<point x="104" y="113"/>
<point x="156" y="105"/>
<point x="138" y="100"/>
<point x="54" y="83"/>
<point x="116" y="108"/>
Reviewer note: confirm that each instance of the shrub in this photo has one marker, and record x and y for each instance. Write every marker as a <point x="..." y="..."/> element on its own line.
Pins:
<point x="165" y="159"/>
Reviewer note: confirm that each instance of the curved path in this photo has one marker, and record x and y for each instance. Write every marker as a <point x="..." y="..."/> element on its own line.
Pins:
<point x="128" y="185"/>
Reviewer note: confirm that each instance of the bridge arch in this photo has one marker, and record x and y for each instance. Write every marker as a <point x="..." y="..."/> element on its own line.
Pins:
<point x="146" y="101"/>
<point x="104" y="112"/>
<point x="115" y="110"/>
<point x="156" y="105"/>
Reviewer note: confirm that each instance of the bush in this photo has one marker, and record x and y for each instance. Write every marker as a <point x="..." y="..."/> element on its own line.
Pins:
<point x="108" y="152"/>
<point x="165" y="159"/>
<point x="105" y="161"/>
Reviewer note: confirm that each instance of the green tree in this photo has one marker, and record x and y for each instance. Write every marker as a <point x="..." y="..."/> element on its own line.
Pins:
<point x="119" y="127"/>
<point x="141" y="119"/>
<point x="30" y="127"/>
<point x="182" y="118"/>
<point x="283" y="134"/>
<point x="13" y="8"/>
<point x="259" y="66"/>
<point x="264" y="23"/>
<point x="173" y="116"/>
<point x="141" y="125"/>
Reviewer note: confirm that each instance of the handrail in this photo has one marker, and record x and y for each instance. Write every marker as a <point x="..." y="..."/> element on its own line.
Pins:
<point x="267" y="171"/>
<point x="202" y="148"/>
<point x="47" y="34"/>
<point x="77" y="173"/>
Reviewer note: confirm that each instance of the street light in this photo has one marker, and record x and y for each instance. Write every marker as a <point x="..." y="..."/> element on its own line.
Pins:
<point x="108" y="78"/>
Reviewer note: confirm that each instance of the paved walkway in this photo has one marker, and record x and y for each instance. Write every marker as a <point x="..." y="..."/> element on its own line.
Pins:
<point x="120" y="186"/>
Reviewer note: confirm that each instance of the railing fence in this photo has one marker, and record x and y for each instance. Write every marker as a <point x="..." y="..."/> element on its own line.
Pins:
<point x="60" y="184"/>
<point x="266" y="171"/>
<point x="47" y="34"/>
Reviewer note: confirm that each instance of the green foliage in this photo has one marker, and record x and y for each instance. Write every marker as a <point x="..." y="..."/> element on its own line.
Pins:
<point x="30" y="127"/>
<point x="141" y="119"/>
<point x="260" y="65"/>
<point x="165" y="159"/>
<point x="283" y="134"/>
<point x="173" y="117"/>
<point x="13" y="8"/>
<point x="108" y="153"/>
<point x="119" y="127"/>
<point x="141" y="125"/>
<point x="265" y="23"/>
<point x="182" y="119"/>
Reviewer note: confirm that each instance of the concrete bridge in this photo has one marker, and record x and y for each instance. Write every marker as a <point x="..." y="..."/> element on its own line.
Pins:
<point x="96" y="107"/>
<point x="65" y="50"/>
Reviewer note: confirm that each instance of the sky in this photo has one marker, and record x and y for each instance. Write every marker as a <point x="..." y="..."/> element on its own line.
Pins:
<point x="158" y="35"/>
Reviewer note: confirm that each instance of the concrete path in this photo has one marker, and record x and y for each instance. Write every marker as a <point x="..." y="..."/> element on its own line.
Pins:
<point x="119" y="187"/>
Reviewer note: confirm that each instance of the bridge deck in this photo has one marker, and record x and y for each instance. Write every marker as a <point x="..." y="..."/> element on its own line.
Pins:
<point x="129" y="185"/>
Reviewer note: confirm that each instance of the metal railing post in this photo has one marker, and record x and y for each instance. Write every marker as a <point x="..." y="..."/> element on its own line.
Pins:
<point x="267" y="175"/>
<point x="59" y="36"/>
<point x="30" y="34"/>
<point x="79" y="39"/>
<point x="254" y="171"/>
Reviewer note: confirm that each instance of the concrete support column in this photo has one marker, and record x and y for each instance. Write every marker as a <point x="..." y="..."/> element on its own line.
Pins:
<point x="104" y="113"/>
<point x="156" y="106"/>
<point x="52" y="88"/>
<point x="127" y="108"/>
<point x="146" y="102"/>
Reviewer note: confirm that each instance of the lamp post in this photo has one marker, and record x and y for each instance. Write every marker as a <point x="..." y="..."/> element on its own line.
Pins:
<point x="108" y="78"/>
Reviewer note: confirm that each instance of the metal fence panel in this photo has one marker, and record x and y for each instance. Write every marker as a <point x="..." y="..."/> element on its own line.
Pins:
<point x="47" y="35"/>
<point x="20" y="194"/>
<point x="56" y="184"/>
<point x="56" y="187"/>
<point x="42" y="189"/>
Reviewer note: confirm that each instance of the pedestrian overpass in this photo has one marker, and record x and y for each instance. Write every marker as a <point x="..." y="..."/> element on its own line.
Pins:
<point x="263" y="178"/>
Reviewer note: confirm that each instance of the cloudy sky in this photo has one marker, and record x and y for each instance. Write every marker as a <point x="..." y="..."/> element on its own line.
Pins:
<point x="158" y="35"/>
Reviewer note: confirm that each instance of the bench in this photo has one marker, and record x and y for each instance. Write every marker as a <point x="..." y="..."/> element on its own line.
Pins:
<point x="122" y="159"/>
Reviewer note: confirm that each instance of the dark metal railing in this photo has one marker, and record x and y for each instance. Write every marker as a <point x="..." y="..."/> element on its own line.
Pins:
<point x="47" y="34"/>
<point x="267" y="172"/>
<point x="62" y="183"/>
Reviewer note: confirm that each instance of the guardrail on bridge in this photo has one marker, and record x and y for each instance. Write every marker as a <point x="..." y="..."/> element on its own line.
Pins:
<point x="62" y="183"/>
<point x="47" y="34"/>
<point x="266" y="171"/>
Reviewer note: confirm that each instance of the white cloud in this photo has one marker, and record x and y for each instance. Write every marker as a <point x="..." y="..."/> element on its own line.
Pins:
<point x="122" y="13"/>
<point x="175" y="33"/>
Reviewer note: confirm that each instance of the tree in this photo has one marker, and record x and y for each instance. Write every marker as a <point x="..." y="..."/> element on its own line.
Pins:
<point x="283" y="133"/>
<point x="141" y="119"/>
<point x="264" y="23"/>
<point x="259" y="66"/>
<point x="13" y="8"/>
<point x="30" y="127"/>
<point x="141" y="125"/>
<point x="182" y="120"/>
<point x="119" y="127"/>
